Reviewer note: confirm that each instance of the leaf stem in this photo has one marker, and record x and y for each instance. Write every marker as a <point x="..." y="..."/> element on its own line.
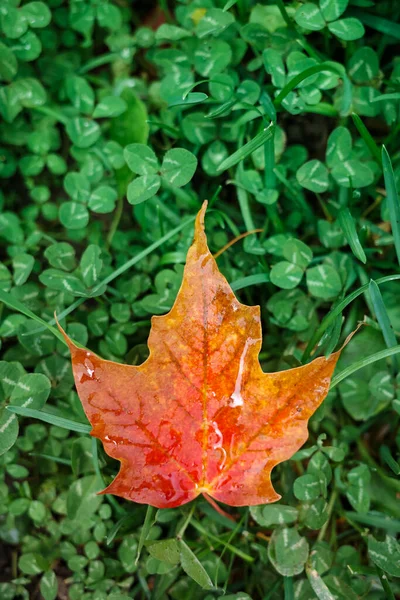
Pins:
<point x="217" y="508"/>
<point x="288" y="588"/>
<point x="236" y="239"/>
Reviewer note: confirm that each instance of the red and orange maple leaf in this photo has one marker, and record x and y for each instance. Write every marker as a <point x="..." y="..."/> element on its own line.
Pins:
<point x="200" y="415"/>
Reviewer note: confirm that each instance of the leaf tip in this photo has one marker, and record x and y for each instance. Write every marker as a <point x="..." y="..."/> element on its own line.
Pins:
<point x="387" y="163"/>
<point x="349" y="337"/>
<point x="72" y="347"/>
<point x="199" y="230"/>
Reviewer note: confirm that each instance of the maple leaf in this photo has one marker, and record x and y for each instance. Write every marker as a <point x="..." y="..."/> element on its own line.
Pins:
<point x="199" y="415"/>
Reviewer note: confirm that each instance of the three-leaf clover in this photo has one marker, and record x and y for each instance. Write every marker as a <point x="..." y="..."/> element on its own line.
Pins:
<point x="177" y="169"/>
<point x="314" y="18"/>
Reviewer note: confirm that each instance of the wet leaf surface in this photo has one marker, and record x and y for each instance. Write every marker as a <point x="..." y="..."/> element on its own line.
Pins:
<point x="200" y="415"/>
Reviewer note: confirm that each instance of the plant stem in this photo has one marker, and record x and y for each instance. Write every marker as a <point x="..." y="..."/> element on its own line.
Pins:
<point x="115" y="222"/>
<point x="98" y="61"/>
<point x="118" y="509"/>
<point x="331" y="505"/>
<point x="288" y="588"/>
<point x="385" y="584"/>
<point x="55" y="114"/>
<point x="165" y="9"/>
<point x="187" y="521"/>
<point x="236" y="239"/>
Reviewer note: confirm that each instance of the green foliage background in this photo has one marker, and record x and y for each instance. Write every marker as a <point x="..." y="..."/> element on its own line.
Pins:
<point x="117" y="120"/>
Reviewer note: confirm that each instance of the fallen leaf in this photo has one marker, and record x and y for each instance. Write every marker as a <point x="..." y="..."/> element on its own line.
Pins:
<point x="199" y="416"/>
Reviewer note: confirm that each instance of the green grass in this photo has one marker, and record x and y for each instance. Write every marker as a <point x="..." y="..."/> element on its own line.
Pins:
<point x="285" y="116"/>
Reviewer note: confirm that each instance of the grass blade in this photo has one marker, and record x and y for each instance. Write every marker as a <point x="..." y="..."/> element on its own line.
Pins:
<point x="268" y="106"/>
<point x="330" y="317"/>
<point x="221" y="109"/>
<point x="347" y="96"/>
<point x="391" y="96"/>
<point x="15" y="304"/>
<point x="348" y="227"/>
<point x="382" y="315"/>
<point x="375" y="519"/>
<point x="130" y="263"/>
<point x="277" y="586"/>
<point x="365" y="279"/>
<point x="244" y="282"/>
<point x="297" y="198"/>
<point x="96" y="465"/>
<point x="49" y="418"/>
<point x="336" y="379"/>
<point x="386" y="456"/>
<point x="245" y="209"/>
<point x="98" y="61"/>
<point x="147" y="525"/>
<point x="125" y="267"/>
<point x="378" y="23"/>
<point x="368" y="139"/>
<point x="191" y="98"/>
<point x="269" y="157"/>
<point x="243" y="198"/>
<point x="392" y="197"/>
<point x="229" y="4"/>
<point x="218" y="540"/>
<point x="247" y="149"/>
<point x="163" y="126"/>
<point x="325" y="66"/>
<point x="57" y="459"/>
<point x="333" y="336"/>
<point x="322" y="108"/>
<point x="122" y="522"/>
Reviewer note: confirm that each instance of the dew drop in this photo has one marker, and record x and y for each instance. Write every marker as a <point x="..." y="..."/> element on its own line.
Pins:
<point x="218" y="444"/>
<point x="89" y="368"/>
<point x="236" y="398"/>
<point x="108" y="439"/>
